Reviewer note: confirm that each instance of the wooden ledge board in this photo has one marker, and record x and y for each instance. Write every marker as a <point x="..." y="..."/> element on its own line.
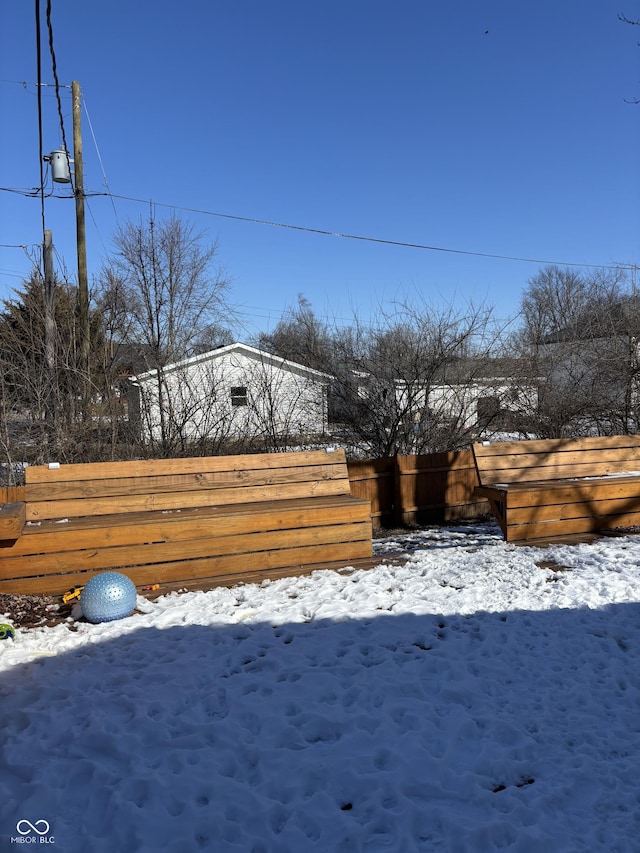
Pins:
<point x="12" y="520"/>
<point x="208" y="583"/>
<point x="567" y="539"/>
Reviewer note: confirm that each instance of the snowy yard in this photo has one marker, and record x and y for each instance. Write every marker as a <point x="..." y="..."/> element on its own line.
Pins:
<point x="467" y="701"/>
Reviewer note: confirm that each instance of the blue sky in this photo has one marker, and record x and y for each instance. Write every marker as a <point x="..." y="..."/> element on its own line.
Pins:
<point x="496" y="127"/>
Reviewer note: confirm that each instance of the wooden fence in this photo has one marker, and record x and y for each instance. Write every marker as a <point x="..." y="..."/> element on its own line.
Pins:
<point x="8" y="494"/>
<point x="402" y="489"/>
<point x="419" y="489"/>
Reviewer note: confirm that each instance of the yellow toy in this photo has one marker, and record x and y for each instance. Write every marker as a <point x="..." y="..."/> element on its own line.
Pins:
<point x="73" y="593"/>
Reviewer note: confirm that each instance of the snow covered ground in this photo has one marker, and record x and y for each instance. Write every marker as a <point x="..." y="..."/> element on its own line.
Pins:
<point x="467" y="701"/>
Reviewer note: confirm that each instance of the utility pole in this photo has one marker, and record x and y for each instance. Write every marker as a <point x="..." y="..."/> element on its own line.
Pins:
<point x="50" y="337"/>
<point x="83" y="284"/>
<point x="49" y="303"/>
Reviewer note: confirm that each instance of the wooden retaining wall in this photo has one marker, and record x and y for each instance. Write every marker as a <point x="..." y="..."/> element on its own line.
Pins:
<point x="427" y="489"/>
<point x="402" y="489"/>
<point x="9" y="494"/>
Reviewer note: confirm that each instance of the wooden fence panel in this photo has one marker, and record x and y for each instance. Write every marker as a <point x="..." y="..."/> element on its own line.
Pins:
<point x="402" y="490"/>
<point x="9" y="494"/>
<point x="374" y="480"/>
<point x="419" y="489"/>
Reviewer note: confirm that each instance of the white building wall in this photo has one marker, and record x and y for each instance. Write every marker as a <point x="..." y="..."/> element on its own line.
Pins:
<point x="461" y="401"/>
<point x="198" y="399"/>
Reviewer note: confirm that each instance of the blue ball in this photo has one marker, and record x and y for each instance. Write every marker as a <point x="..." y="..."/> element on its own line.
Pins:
<point x="108" y="596"/>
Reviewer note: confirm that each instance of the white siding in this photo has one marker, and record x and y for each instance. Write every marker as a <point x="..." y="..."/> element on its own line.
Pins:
<point x="196" y="398"/>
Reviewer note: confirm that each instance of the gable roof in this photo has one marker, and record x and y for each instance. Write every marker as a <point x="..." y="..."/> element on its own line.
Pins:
<point x="242" y="349"/>
<point x="459" y="370"/>
<point x="484" y="369"/>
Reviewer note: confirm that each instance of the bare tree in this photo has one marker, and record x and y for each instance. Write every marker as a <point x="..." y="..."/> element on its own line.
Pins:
<point x="287" y="407"/>
<point x="555" y="300"/>
<point x="579" y="332"/>
<point x="300" y="336"/>
<point x="188" y="418"/>
<point x="634" y="22"/>
<point x="172" y="292"/>
<point x="164" y="294"/>
<point x="398" y="381"/>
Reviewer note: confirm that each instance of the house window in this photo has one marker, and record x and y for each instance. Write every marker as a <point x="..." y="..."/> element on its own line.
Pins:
<point x="239" y="396"/>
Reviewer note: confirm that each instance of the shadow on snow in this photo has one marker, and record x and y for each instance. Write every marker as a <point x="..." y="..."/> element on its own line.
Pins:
<point x="490" y="731"/>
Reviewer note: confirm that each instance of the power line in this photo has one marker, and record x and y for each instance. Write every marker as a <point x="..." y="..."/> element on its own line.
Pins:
<point x="302" y="228"/>
<point x="95" y="143"/>
<point x="256" y="221"/>
<point x="10" y="274"/>
<point x="379" y="240"/>
<point x="40" y="144"/>
<point x="326" y="233"/>
<point x="26" y="83"/>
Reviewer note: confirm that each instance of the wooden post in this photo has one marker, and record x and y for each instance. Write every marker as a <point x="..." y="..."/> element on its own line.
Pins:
<point x="51" y="396"/>
<point x="398" y="508"/>
<point x="49" y="304"/>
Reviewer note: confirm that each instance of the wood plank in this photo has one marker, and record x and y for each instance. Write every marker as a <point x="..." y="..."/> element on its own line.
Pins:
<point x="126" y="529"/>
<point x="206" y="583"/>
<point x="11" y="494"/>
<point x="121" y="557"/>
<point x="562" y="492"/>
<point x="566" y="539"/>
<point x="493" y="493"/>
<point x="510" y="469"/>
<point x="481" y="450"/>
<point x="38" y="510"/>
<point x="234" y="517"/>
<point x="186" y="482"/>
<point x="548" y="473"/>
<point x="577" y="509"/>
<point x="548" y="530"/>
<point x="435" y="462"/>
<point x="190" y="570"/>
<point x="360" y="472"/>
<point x="110" y="531"/>
<point x="539" y="492"/>
<point x="556" y="469"/>
<point x="197" y="464"/>
<point x="527" y="459"/>
<point x="498" y="510"/>
<point x="12" y="520"/>
<point x="529" y="466"/>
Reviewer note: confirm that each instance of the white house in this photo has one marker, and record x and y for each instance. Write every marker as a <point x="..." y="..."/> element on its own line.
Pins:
<point x="484" y="401"/>
<point x="471" y="392"/>
<point x="232" y="392"/>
